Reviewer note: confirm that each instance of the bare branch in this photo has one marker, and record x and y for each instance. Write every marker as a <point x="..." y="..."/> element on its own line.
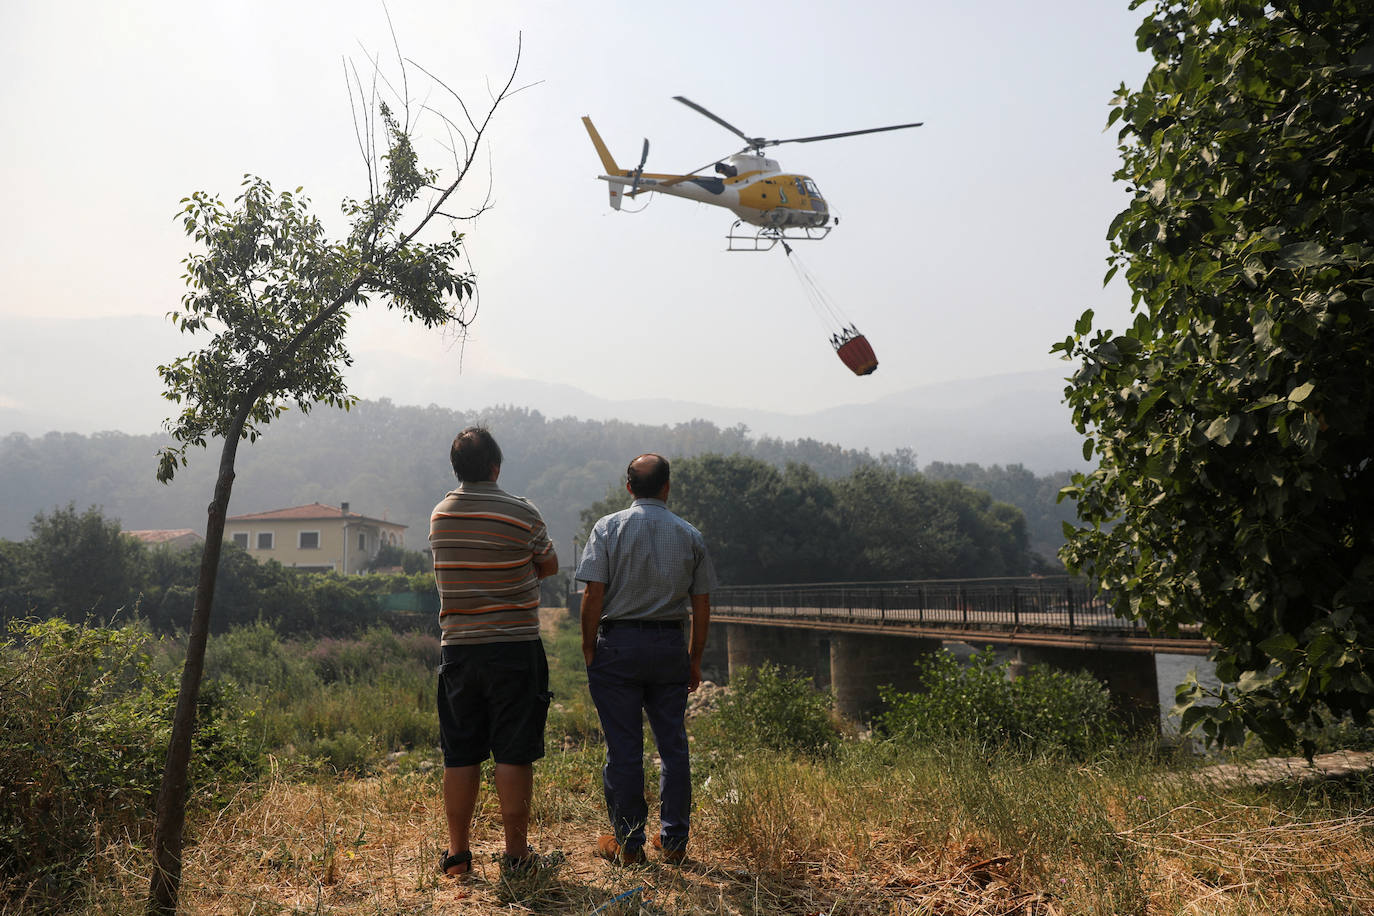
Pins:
<point x="453" y="130"/>
<point x="476" y="140"/>
<point x="458" y="98"/>
<point x="405" y="79"/>
<point x="471" y="216"/>
<point x="357" y="129"/>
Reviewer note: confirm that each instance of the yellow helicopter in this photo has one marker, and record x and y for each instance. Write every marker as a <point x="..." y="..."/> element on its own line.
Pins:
<point x="780" y="205"/>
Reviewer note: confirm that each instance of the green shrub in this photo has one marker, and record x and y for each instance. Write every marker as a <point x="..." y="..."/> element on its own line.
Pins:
<point x="777" y="709"/>
<point x="254" y="656"/>
<point x="345" y="751"/>
<point x="84" y="725"/>
<point x="1044" y="710"/>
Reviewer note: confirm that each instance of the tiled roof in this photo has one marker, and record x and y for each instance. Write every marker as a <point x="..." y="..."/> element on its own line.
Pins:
<point x="162" y="535"/>
<point x="314" y="511"/>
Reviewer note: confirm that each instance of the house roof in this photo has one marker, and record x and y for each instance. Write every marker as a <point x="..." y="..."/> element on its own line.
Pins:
<point x="163" y="535"/>
<point x="312" y="512"/>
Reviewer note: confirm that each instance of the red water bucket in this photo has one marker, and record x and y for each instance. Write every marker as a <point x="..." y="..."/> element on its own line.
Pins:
<point x="858" y="355"/>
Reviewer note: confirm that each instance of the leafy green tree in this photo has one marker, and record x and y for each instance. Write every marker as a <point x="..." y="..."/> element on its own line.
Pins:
<point x="764" y="525"/>
<point x="15" y="600"/>
<point x="80" y="564"/>
<point x="1233" y="422"/>
<point x="410" y="561"/>
<point x="275" y="293"/>
<point x="1037" y="496"/>
<point x="903" y="526"/>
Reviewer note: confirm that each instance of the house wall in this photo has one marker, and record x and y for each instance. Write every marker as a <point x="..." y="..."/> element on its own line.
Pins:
<point x="331" y="552"/>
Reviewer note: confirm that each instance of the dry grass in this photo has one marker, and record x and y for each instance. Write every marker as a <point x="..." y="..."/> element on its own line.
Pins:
<point x="771" y="836"/>
<point x="879" y="830"/>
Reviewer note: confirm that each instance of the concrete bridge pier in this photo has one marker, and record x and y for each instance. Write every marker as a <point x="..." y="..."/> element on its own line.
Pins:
<point x="715" y="661"/>
<point x="860" y="663"/>
<point x="1130" y="676"/>
<point x="785" y="647"/>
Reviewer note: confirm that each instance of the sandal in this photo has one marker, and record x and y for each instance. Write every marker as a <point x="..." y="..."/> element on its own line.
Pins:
<point x="447" y="861"/>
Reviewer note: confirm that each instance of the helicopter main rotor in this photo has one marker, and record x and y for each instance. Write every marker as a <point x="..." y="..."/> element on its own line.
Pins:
<point x="758" y="144"/>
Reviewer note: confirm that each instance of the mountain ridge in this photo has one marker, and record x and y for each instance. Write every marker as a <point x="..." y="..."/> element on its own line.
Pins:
<point x="1007" y="418"/>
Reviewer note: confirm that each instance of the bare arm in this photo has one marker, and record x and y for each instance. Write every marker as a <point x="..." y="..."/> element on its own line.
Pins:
<point x="592" y="597"/>
<point x="546" y="565"/>
<point x="701" y="622"/>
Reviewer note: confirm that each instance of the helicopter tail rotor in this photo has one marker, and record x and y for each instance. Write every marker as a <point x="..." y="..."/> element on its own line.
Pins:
<point x="639" y="169"/>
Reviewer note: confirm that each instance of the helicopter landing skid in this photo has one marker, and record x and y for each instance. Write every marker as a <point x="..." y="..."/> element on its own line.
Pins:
<point x="766" y="237"/>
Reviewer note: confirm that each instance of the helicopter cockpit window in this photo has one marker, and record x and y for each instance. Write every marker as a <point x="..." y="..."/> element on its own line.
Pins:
<point x="812" y="189"/>
<point x="801" y="187"/>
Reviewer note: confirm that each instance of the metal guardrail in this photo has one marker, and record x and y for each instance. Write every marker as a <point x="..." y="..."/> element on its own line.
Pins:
<point x="1059" y="604"/>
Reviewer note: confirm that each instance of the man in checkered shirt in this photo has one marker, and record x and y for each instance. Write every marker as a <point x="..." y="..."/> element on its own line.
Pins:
<point x="648" y="582"/>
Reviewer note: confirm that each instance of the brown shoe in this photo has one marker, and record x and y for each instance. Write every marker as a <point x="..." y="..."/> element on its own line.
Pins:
<point x="607" y="848"/>
<point x="670" y="856"/>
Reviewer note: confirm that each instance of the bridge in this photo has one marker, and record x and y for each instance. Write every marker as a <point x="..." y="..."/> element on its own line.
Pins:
<point x="853" y="637"/>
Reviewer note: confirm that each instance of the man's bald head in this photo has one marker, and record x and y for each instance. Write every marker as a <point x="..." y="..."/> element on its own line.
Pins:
<point x="647" y="476"/>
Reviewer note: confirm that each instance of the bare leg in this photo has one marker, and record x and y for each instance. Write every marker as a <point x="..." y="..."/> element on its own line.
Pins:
<point x="460" y="801"/>
<point x="515" y="789"/>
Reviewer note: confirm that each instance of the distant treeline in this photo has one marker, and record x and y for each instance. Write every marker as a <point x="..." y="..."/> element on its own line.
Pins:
<point x="769" y="526"/>
<point x="390" y="461"/>
<point x="79" y="566"/>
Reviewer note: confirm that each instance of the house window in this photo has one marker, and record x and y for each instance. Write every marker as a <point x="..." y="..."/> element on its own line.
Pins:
<point x="309" y="540"/>
<point x="241" y="539"/>
<point x="362" y="540"/>
<point x="265" y="540"/>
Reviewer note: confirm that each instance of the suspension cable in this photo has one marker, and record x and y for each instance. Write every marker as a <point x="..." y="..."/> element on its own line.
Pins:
<point x="822" y="304"/>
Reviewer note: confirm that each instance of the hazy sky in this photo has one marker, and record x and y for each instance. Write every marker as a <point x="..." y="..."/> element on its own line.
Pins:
<point x="965" y="247"/>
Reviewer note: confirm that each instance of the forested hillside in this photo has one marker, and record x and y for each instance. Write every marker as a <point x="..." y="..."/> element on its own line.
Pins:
<point x="391" y="461"/>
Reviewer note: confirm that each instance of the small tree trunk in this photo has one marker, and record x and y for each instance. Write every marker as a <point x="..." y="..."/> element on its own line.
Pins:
<point x="171" y="798"/>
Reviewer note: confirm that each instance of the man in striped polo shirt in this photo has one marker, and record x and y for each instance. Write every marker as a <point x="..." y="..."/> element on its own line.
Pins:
<point x="649" y="579"/>
<point x="490" y="551"/>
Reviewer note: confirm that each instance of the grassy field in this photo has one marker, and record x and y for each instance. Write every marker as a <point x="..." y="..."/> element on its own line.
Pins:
<point x="873" y="828"/>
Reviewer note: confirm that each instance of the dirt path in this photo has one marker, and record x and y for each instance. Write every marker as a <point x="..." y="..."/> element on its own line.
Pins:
<point x="1291" y="769"/>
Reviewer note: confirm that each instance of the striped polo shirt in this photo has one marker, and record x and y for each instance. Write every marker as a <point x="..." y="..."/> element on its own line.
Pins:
<point x="485" y="542"/>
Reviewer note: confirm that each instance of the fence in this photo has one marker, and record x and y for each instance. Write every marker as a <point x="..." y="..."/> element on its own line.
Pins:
<point x="1060" y="604"/>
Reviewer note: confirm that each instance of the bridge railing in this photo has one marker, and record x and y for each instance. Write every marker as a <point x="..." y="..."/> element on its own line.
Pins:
<point x="1058" y="603"/>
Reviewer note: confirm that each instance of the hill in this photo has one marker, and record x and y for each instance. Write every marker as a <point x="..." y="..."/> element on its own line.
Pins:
<point x="1015" y="418"/>
<point x="391" y="462"/>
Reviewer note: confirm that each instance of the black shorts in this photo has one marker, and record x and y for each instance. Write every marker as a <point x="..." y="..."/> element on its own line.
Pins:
<point x="493" y="701"/>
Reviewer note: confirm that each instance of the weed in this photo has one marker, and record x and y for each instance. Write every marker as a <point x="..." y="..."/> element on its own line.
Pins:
<point x="776" y="709"/>
<point x="1044" y="710"/>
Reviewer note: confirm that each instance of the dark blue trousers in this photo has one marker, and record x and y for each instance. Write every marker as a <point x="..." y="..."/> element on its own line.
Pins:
<point x="633" y="670"/>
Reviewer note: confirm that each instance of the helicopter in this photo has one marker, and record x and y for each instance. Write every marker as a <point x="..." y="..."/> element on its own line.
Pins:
<point x="778" y="206"/>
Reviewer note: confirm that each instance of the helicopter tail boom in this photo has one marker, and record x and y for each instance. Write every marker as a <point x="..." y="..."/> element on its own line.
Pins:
<point x="607" y="160"/>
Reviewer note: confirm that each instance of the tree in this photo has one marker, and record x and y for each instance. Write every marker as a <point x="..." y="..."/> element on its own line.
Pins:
<point x="761" y="525"/>
<point x="904" y="526"/>
<point x="766" y="526"/>
<point x="1233" y="422"/>
<point x="80" y="564"/>
<point x="275" y="295"/>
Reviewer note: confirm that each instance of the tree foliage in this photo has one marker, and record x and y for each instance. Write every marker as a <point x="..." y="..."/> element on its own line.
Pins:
<point x="766" y="525"/>
<point x="276" y="293"/>
<point x="1233" y="422"/>
<point x="79" y="563"/>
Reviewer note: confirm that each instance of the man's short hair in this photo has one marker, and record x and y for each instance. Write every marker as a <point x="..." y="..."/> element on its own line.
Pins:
<point x="474" y="453"/>
<point x="646" y="483"/>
